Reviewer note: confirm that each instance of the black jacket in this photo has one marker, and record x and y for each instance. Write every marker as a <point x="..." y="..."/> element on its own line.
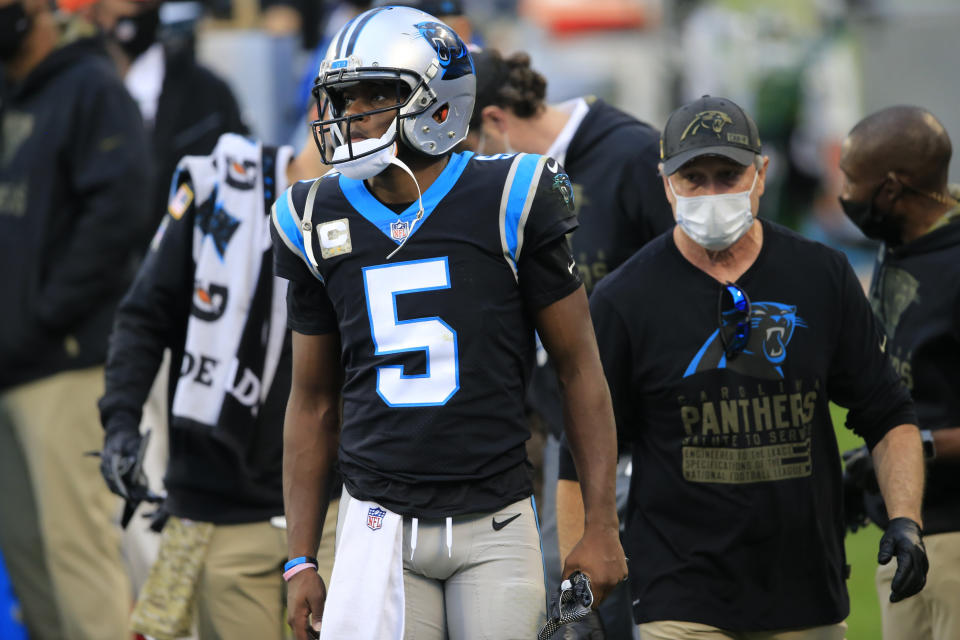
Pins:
<point x="74" y="182"/>
<point x="196" y="107"/>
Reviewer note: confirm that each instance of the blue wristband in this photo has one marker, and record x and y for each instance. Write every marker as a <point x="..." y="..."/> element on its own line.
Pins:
<point x="301" y="560"/>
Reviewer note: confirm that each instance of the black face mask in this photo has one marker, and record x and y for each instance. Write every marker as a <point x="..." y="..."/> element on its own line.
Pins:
<point x="136" y="33"/>
<point x="14" y="27"/>
<point x="874" y="224"/>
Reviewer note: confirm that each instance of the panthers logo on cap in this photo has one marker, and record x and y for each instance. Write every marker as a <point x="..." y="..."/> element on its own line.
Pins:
<point x="713" y="121"/>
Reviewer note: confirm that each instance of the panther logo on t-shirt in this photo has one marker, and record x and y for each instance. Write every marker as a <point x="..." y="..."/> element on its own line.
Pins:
<point x="772" y="325"/>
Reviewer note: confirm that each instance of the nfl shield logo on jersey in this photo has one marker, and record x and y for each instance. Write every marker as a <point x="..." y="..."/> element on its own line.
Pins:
<point x="375" y="518"/>
<point x="399" y="229"/>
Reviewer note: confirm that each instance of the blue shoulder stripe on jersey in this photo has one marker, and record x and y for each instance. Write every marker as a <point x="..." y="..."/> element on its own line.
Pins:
<point x="519" y="189"/>
<point x="356" y="31"/>
<point x="287" y="225"/>
<point x="382" y="217"/>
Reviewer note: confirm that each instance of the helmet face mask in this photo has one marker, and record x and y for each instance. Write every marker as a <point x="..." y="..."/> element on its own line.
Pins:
<point x="334" y="126"/>
<point x="427" y="62"/>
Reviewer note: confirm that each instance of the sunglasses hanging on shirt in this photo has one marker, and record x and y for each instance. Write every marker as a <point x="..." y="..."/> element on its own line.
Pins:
<point x="733" y="319"/>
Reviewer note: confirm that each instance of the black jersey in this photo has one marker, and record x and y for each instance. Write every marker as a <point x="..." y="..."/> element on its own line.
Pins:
<point x="735" y="517"/>
<point x="438" y="340"/>
<point x="916" y="295"/>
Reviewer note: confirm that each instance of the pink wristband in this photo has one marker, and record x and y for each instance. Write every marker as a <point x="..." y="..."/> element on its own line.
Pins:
<point x="292" y="571"/>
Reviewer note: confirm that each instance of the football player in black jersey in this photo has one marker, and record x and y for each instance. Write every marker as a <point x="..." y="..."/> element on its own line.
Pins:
<point x="417" y="279"/>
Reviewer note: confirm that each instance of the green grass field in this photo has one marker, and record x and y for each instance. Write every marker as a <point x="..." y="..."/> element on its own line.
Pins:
<point x="864" y="620"/>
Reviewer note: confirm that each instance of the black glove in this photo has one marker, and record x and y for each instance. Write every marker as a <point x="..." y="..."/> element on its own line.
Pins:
<point x="590" y="628"/>
<point x="904" y="539"/>
<point x="121" y="464"/>
<point x="120" y="461"/>
<point x="571" y="604"/>
<point x="858" y="465"/>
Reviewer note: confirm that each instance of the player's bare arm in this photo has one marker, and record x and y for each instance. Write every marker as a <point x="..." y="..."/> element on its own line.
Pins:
<point x="310" y="437"/>
<point x="567" y="333"/>
<point x="898" y="459"/>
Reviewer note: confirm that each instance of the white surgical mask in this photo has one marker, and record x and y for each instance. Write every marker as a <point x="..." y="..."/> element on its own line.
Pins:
<point x="370" y="165"/>
<point x="716" y="221"/>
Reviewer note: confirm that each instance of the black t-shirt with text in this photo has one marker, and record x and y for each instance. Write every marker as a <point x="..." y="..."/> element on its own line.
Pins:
<point x="735" y="512"/>
<point x="438" y="340"/>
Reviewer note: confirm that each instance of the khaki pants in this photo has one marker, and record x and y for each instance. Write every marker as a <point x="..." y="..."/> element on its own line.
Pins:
<point x="240" y="590"/>
<point x="934" y="613"/>
<point x="57" y="517"/>
<point x="676" y="630"/>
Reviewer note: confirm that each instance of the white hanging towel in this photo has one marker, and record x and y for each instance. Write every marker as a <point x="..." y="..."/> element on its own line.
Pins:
<point x="365" y="599"/>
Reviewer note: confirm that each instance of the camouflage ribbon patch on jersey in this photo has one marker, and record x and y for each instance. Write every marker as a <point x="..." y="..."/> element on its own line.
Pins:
<point x="334" y="238"/>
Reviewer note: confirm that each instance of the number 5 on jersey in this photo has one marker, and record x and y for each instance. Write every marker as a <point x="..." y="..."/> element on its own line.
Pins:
<point x="382" y="284"/>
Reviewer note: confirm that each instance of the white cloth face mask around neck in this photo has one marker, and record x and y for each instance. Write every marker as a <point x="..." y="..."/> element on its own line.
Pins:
<point x="715" y="221"/>
<point x="370" y="165"/>
<point x="374" y="164"/>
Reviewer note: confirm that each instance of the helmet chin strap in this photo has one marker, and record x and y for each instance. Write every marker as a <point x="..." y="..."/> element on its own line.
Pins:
<point x="400" y="163"/>
<point x="394" y="160"/>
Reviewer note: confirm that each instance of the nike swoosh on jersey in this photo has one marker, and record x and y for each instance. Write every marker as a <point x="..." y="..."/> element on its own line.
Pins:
<point x="500" y="525"/>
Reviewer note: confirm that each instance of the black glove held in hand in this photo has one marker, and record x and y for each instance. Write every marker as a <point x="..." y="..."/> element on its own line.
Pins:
<point x="858" y="469"/>
<point x="120" y="464"/>
<point x="904" y="539"/>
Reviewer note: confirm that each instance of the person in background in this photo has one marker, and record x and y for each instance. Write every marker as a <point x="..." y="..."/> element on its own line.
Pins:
<point x="207" y="293"/>
<point x="185" y="106"/>
<point x="895" y="164"/>
<point x="611" y="158"/>
<point x="724" y="341"/>
<point x="74" y="171"/>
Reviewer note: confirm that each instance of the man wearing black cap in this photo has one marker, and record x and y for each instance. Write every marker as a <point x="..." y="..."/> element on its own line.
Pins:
<point x="723" y="342"/>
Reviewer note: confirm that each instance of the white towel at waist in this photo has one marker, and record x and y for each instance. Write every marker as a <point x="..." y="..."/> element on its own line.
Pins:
<point x="365" y="599"/>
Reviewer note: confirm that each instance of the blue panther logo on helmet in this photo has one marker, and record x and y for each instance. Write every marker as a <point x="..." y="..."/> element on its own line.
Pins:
<point x="453" y="54"/>
<point x="772" y="325"/>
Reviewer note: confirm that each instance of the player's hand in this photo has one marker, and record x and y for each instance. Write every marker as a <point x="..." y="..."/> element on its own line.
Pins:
<point x="904" y="539"/>
<point x="600" y="556"/>
<point x="306" y="594"/>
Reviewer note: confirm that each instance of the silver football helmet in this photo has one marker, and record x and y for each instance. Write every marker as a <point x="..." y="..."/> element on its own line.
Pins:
<point x="425" y="59"/>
